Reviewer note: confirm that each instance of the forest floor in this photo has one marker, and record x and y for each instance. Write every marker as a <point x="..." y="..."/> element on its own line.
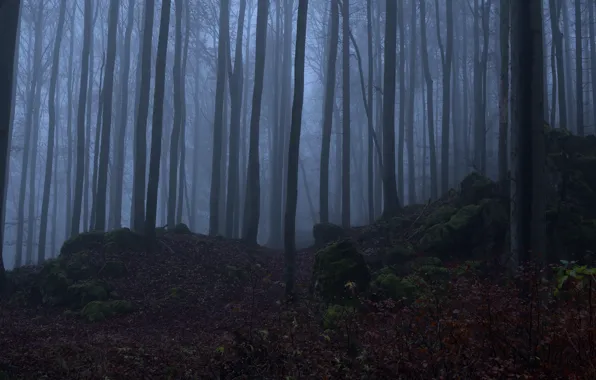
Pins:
<point x="209" y="308"/>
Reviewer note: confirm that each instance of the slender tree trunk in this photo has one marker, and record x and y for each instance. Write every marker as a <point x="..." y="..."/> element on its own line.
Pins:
<point x="182" y="140"/>
<point x="402" y="97"/>
<point x="579" y="81"/>
<point x="294" y="151"/>
<point x="391" y="200"/>
<point x="45" y="203"/>
<point x="252" y="204"/>
<point x="504" y="87"/>
<point x="157" y="124"/>
<point x="218" y="127"/>
<point x="328" y="102"/>
<point x="102" y="170"/>
<point x="346" y="140"/>
<point x="410" y="111"/>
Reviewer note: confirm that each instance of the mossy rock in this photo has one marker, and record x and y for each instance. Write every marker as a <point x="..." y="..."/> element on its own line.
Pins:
<point x="113" y="269"/>
<point x="456" y="237"/>
<point x="53" y="283"/>
<point x="235" y="274"/>
<point x="439" y="216"/>
<point x="387" y="284"/>
<point x="399" y="255"/>
<point x="475" y="187"/>
<point x="325" y="233"/>
<point x="335" y="266"/>
<point x="83" y="241"/>
<point x="181" y="229"/>
<point x="96" y="311"/>
<point x="81" y="293"/>
<point x="80" y="265"/>
<point x="125" y="239"/>
<point x="336" y="316"/>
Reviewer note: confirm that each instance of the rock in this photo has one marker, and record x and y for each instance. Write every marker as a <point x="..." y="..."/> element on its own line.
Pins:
<point x="399" y="255"/>
<point x="81" y="242"/>
<point x="475" y="187"/>
<point x="181" y="229"/>
<point x="387" y="284"/>
<point x="325" y="233"/>
<point x="96" y="311"/>
<point x="335" y="266"/>
<point x="81" y="293"/>
<point x="125" y="239"/>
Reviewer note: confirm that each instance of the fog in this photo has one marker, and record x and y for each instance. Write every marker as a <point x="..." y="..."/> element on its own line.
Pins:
<point x="424" y="169"/>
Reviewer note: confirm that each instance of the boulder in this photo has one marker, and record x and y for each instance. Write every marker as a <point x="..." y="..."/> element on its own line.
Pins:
<point x="325" y="233"/>
<point x="335" y="267"/>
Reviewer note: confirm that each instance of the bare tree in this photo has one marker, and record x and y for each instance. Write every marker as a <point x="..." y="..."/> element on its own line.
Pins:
<point x="157" y="124"/>
<point x="294" y="149"/>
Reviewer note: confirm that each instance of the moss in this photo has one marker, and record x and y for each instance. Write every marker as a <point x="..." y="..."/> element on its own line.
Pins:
<point x="81" y="242"/>
<point x="433" y="273"/>
<point x="113" y="269"/>
<point x="388" y="285"/>
<point x="80" y="265"/>
<point x="84" y="292"/>
<point x="125" y="239"/>
<point x="440" y="215"/>
<point x="96" y="311"/>
<point x="335" y="315"/>
<point x="235" y="274"/>
<point x="335" y="266"/>
<point x="399" y="254"/>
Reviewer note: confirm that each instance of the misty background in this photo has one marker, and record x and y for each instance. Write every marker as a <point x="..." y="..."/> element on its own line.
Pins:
<point x="453" y="48"/>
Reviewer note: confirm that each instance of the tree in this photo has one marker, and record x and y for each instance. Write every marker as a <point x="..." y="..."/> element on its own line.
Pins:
<point x="252" y="203"/>
<point x="528" y="226"/>
<point x="9" y="25"/>
<point x="294" y="149"/>
<point x="45" y="203"/>
<point x="447" y="62"/>
<point x="504" y="89"/>
<point x="104" y="154"/>
<point x="117" y="185"/>
<point x="218" y="125"/>
<point x="328" y="101"/>
<point x="391" y="200"/>
<point x="80" y="170"/>
<point x="157" y="124"/>
<point x="434" y="191"/>
<point x="579" y="81"/>
<point x="236" y="83"/>
<point x="176" y="128"/>
<point x="345" y="145"/>
<point x="140" y="139"/>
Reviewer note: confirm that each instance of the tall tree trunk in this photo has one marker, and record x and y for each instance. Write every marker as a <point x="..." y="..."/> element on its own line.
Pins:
<point x="411" y="104"/>
<point x="45" y="203"/>
<point x="157" y="124"/>
<point x="252" y="203"/>
<point x="140" y="156"/>
<point x="175" y="136"/>
<point x="402" y="96"/>
<point x="69" y="128"/>
<point x="528" y="231"/>
<point x="214" y="200"/>
<point x="579" y="81"/>
<point x="328" y="102"/>
<point x="102" y="170"/>
<point x="504" y="90"/>
<point x="294" y="149"/>
<point x="370" y="163"/>
<point x="391" y="200"/>
<point x="9" y="26"/>
<point x="447" y="62"/>
<point x="592" y="43"/>
<point x="434" y="191"/>
<point x="182" y="141"/>
<point x="236" y="90"/>
<point x="35" y="122"/>
<point x="346" y="140"/>
<point x="116" y="188"/>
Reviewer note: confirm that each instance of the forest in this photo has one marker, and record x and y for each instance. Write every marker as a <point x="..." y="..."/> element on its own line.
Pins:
<point x="297" y="189"/>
